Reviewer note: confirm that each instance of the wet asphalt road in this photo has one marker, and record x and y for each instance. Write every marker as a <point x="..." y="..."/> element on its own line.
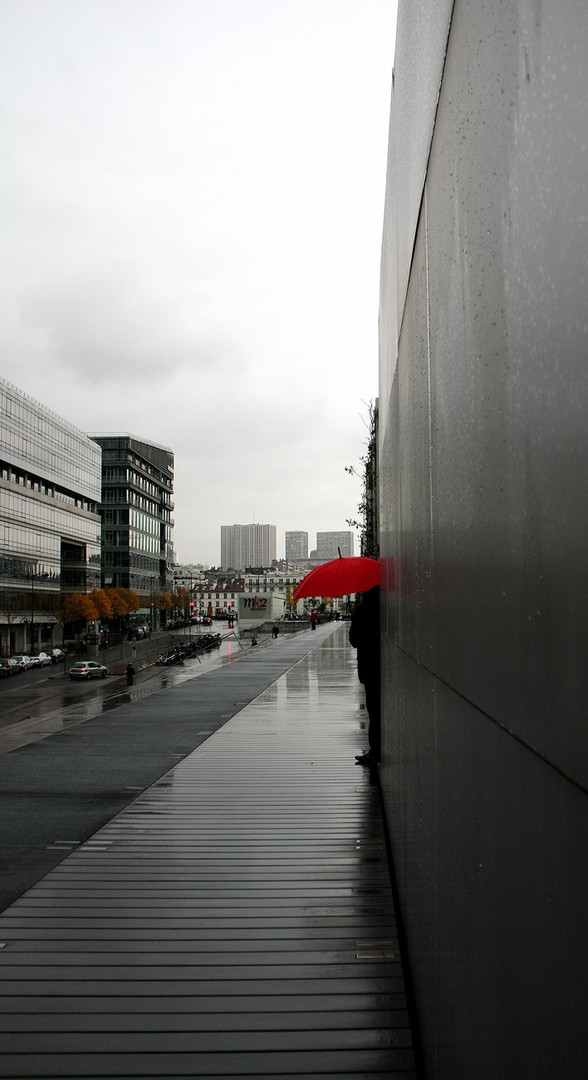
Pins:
<point x="67" y="766"/>
<point x="40" y="693"/>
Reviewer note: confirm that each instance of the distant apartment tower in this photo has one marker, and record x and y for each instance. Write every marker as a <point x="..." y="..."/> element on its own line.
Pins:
<point x="296" y="545"/>
<point x="330" y="544"/>
<point x="136" y="511"/>
<point x="247" y="545"/>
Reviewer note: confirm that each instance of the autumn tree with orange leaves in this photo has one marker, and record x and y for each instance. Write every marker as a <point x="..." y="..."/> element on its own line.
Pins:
<point x="102" y="602"/>
<point x="77" y="610"/>
<point x="123" y="602"/>
<point x="81" y="608"/>
<point x="181" y="599"/>
<point x="163" y="601"/>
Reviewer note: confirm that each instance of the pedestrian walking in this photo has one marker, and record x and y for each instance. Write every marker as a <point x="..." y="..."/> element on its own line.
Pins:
<point x="130" y="673"/>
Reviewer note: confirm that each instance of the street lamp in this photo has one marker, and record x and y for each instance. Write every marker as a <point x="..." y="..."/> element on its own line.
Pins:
<point x="188" y="575"/>
<point x="190" y="603"/>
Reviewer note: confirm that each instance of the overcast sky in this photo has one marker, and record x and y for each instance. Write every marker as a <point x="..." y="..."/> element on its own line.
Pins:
<point x="191" y="206"/>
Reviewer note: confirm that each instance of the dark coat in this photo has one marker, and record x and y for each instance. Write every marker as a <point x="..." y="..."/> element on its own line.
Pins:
<point x="364" y="635"/>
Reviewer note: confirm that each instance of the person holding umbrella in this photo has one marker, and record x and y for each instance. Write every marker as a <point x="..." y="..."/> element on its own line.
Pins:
<point x="364" y="635"/>
<point x="359" y="575"/>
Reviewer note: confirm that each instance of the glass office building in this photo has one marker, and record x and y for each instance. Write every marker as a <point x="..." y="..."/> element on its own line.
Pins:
<point x="49" y="522"/>
<point x="136" y="511"/>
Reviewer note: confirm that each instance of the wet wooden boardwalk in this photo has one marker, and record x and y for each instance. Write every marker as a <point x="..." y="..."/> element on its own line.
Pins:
<point x="236" y="920"/>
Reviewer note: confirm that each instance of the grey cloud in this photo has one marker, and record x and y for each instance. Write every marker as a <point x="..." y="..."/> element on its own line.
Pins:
<point x="113" y="322"/>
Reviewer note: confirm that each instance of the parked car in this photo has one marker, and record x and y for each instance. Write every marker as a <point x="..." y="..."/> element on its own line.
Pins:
<point x="42" y="660"/>
<point x="87" y="669"/>
<point x="23" y="661"/>
<point x="57" y="655"/>
<point x="8" y="667"/>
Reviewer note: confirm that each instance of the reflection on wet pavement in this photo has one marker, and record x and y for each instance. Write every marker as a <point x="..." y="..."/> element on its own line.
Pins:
<point x="45" y="714"/>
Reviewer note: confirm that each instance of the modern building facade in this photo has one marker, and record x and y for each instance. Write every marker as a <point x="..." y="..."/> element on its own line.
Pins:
<point x="136" y="510"/>
<point x="483" y="396"/>
<point x="50" y="475"/>
<point x="330" y="544"/>
<point x="296" y="545"/>
<point x="247" y="545"/>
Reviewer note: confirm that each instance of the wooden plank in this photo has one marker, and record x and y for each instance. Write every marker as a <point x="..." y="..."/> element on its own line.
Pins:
<point x="236" y="919"/>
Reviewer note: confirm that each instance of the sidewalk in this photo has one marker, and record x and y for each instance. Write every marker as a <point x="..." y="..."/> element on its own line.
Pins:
<point x="236" y="918"/>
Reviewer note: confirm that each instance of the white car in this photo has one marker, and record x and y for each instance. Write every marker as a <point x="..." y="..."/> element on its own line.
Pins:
<point x="9" y="667"/>
<point x="42" y="660"/>
<point x="23" y="661"/>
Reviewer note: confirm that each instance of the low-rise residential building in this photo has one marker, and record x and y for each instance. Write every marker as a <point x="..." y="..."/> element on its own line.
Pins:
<point x="217" y="599"/>
<point x="270" y="581"/>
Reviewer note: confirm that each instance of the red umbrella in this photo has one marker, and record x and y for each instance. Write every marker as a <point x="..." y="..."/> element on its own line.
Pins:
<point x="340" y="577"/>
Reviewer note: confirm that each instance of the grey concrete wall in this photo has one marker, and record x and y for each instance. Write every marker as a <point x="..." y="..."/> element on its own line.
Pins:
<point x="484" y="526"/>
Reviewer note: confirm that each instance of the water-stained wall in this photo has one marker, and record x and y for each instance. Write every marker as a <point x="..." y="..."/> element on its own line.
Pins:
<point x="484" y="527"/>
